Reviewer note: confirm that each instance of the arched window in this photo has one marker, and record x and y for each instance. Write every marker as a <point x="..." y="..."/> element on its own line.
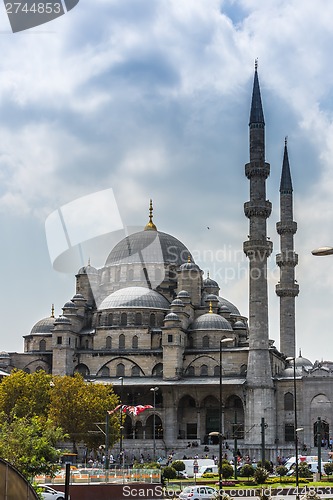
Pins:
<point x="190" y="342"/>
<point x="243" y="369"/>
<point x="105" y="372"/>
<point x="152" y="319"/>
<point x="123" y="319"/>
<point x="135" y="342"/>
<point x="110" y="319"/>
<point x="205" y="341"/>
<point x="138" y="318"/>
<point x="130" y="275"/>
<point x="121" y="341"/>
<point x="135" y="371"/>
<point x="42" y="345"/>
<point x="118" y="275"/>
<point x="108" y="343"/>
<point x="190" y="371"/>
<point x="216" y="370"/>
<point x="158" y="370"/>
<point x="288" y="401"/>
<point x="120" y="371"/>
<point x="204" y="370"/>
<point x="39" y="369"/>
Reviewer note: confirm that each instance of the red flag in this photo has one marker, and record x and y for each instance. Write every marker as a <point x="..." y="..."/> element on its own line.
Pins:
<point x="122" y="407"/>
<point x="140" y="408"/>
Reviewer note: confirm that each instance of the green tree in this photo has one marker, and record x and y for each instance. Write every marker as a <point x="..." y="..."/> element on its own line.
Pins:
<point x="30" y="445"/>
<point x="178" y="465"/>
<point x="169" y="473"/>
<point x="76" y="407"/>
<point x="303" y="470"/>
<point x="25" y="394"/>
<point x="266" y="465"/>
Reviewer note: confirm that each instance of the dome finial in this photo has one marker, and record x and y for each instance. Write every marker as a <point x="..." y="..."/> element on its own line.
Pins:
<point x="189" y="259"/>
<point x="207" y="274"/>
<point x="286" y="140"/>
<point x="150" y="226"/>
<point x="210" y="307"/>
<point x="52" y="311"/>
<point x="256" y="64"/>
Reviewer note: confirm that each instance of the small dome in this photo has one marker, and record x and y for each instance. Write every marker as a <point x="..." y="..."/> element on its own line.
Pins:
<point x="69" y="305"/>
<point x="211" y="297"/>
<point x="239" y="325"/>
<point x="183" y="294"/>
<point x="189" y="266"/>
<point x="224" y="302"/>
<point x="62" y="320"/>
<point x="171" y="317"/>
<point x="87" y="270"/>
<point x="177" y="302"/>
<point x="211" y="321"/>
<point x="43" y="326"/>
<point x="225" y="309"/>
<point x="303" y="363"/>
<point x="209" y="283"/>
<point x="78" y="296"/>
<point x="136" y="296"/>
<point x="4" y="354"/>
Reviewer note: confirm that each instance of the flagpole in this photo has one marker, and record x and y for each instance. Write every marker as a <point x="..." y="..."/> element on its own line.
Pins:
<point x="107" y="459"/>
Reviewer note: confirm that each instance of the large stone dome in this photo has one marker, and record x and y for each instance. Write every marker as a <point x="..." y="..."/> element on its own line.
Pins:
<point x="136" y="296"/>
<point x="149" y="247"/>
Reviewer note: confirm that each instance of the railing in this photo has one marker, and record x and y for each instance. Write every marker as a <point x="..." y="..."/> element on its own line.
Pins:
<point x="88" y="476"/>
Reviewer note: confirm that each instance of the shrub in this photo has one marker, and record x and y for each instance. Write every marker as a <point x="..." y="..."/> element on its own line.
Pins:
<point x="303" y="470"/>
<point x="328" y="468"/>
<point x="247" y="471"/>
<point x="281" y="470"/>
<point x="266" y="465"/>
<point x="178" y="465"/>
<point x="227" y="470"/>
<point x="260" y="475"/>
<point x="169" y="473"/>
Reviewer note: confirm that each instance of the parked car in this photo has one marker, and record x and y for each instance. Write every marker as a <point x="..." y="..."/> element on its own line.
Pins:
<point x="182" y="474"/>
<point x="198" y="493"/>
<point x="49" y="493"/>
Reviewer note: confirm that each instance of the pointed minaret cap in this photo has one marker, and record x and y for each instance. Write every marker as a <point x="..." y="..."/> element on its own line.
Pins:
<point x="256" y="114"/>
<point x="286" y="186"/>
<point x="150" y="226"/>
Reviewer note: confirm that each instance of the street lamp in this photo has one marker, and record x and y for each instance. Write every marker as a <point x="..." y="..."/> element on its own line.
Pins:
<point x="291" y="358"/>
<point x="322" y="251"/>
<point x="222" y="341"/>
<point x="154" y="389"/>
<point x="121" y="453"/>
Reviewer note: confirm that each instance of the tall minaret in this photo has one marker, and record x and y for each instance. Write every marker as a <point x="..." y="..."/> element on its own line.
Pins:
<point x="260" y="397"/>
<point x="287" y="289"/>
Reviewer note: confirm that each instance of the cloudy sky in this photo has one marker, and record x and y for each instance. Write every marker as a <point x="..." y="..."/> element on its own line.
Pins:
<point x="151" y="99"/>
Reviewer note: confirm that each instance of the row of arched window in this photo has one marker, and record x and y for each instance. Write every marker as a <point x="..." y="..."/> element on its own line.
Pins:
<point x="121" y="371"/>
<point x="143" y="275"/>
<point x="121" y="342"/>
<point x="192" y="371"/>
<point x="123" y="320"/>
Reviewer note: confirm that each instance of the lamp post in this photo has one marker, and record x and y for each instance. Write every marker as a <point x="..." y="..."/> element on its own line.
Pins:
<point x="154" y="389"/>
<point x="295" y="425"/>
<point x="222" y="341"/>
<point x="121" y="452"/>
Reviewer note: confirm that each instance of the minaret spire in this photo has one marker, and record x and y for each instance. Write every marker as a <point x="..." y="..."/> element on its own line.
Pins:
<point x="287" y="289"/>
<point x="260" y="403"/>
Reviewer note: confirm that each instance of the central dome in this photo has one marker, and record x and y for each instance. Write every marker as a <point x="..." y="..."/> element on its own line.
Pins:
<point x="136" y="296"/>
<point x="149" y="247"/>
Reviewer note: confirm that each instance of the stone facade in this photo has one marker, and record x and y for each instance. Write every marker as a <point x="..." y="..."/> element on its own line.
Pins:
<point x="149" y="319"/>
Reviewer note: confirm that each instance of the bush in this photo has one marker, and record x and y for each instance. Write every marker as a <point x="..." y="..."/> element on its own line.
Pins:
<point x="328" y="468"/>
<point x="260" y="475"/>
<point x="227" y="470"/>
<point x="169" y="473"/>
<point x="247" y="471"/>
<point x="303" y="470"/>
<point x="178" y="465"/>
<point x="266" y="465"/>
<point x="281" y="470"/>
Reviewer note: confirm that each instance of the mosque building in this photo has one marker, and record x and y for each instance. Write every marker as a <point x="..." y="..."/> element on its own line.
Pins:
<point x="152" y="325"/>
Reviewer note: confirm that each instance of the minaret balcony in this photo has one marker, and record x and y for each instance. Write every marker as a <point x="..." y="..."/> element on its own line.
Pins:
<point x="253" y="248"/>
<point x="258" y="209"/>
<point x="257" y="169"/>
<point x="286" y="227"/>
<point x="287" y="258"/>
<point x="284" y="290"/>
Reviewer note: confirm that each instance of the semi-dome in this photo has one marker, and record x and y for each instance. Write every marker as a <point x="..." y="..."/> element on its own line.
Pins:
<point x="232" y="308"/>
<point x="211" y="321"/>
<point x="43" y="326"/>
<point x="135" y="296"/>
<point x="149" y="247"/>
